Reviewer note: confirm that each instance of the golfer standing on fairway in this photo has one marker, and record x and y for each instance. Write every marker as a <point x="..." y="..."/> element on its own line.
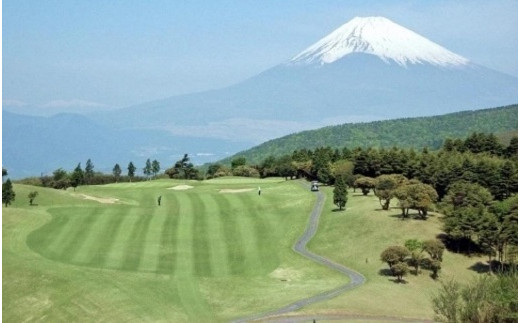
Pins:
<point x="259" y="190"/>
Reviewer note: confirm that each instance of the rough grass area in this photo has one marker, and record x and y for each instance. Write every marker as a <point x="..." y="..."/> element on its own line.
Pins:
<point x="357" y="236"/>
<point x="200" y="256"/>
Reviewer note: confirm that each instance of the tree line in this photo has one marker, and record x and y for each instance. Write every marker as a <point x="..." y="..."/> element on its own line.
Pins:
<point x="62" y="179"/>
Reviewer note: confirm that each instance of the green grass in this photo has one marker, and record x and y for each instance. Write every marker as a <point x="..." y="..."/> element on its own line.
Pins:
<point x="201" y="256"/>
<point x="357" y="236"/>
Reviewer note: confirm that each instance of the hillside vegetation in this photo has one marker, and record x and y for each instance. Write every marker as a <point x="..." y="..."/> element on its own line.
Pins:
<point x="404" y="133"/>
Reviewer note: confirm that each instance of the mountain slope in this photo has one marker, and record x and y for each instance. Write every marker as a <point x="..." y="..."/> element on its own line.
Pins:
<point x="405" y="133"/>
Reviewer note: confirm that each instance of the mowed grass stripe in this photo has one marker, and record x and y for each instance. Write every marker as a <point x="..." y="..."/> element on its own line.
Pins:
<point x="232" y="235"/>
<point x="200" y="246"/>
<point x="152" y="246"/>
<point x="69" y="224"/>
<point x="247" y="232"/>
<point x="136" y="241"/>
<point x="75" y="237"/>
<point x="184" y="266"/>
<point x="117" y="253"/>
<point x="105" y="239"/>
<point x="45" y="239"/>
<point x="216" y="238"/>
<point x="88" y="248"/>
<point x="128" y="248"/>
<point x="263" y="237"/>
<point x="167" y="256"/>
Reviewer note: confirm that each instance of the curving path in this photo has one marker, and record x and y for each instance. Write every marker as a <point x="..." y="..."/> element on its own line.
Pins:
<point x="356" y="278"/>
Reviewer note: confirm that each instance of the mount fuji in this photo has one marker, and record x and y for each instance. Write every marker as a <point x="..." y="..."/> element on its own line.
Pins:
<point x="368" y="69"/>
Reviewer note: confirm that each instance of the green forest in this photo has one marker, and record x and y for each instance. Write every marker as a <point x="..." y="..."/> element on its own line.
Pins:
<point x="404" y="133"/>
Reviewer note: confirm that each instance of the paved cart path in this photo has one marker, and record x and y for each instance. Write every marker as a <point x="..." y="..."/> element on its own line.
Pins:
<point x="356" y="279"/>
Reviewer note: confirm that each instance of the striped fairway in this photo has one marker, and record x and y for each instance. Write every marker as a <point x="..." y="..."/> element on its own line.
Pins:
<point x="200" y="233"/>
<point x="211" y="253"/>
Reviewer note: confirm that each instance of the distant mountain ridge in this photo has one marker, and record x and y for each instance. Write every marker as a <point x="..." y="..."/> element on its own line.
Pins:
<point x="403" y="133"/>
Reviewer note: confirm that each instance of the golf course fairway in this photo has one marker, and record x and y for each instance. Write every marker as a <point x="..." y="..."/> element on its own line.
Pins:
<point x="214" y="250"/>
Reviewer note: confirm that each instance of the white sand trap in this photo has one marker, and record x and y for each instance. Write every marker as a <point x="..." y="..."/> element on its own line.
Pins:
<point x="108" y="200"/>
<point x="181" y="187"/>
<point x="286" y="274"/>
<point x="241" y="190"/>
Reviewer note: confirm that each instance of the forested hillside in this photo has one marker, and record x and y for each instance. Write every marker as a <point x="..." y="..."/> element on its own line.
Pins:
<point x="403" y="133"/>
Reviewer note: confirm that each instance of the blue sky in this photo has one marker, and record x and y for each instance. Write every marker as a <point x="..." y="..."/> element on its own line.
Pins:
<point x="103" y="54"/>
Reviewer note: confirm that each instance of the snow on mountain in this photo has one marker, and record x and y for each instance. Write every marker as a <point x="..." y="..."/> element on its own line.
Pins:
<point x="381" y="37"/>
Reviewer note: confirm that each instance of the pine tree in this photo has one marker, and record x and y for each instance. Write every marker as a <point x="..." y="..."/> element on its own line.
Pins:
<point x="116" y="171"/>
<point x="8" y="194"/>
<point x="131" y="171"/>
<point x="156" y="167"/>
<point x="77" y="177"/>
<point x="147" y="170"/>
<point x="340" y="193"/>
<point x="89" y="171"/>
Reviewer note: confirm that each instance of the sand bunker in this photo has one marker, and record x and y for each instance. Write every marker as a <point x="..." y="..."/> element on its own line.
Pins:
<point x="181" y="187"/>
<point x="107" y="200"/>
<point x="241" y="190"/>
<point x="286" y="274"/>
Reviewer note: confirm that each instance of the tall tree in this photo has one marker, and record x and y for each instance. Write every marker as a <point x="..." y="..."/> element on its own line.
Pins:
<point x="116" y="171"/>
<point x="147" y="170"/>
<point x="321" y="165"/>
<point x="156" y="168"/>
<point x="89" y="171"/>
<point x="131" y="171"/>
<point x="77" y="177"/>
<point x="8" y="193"/>
<point x="340" y="193"/>
<point x="464" y="206"/>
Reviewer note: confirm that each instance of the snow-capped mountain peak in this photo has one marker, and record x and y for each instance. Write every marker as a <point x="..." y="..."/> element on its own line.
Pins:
<point x="381" y="37"/>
